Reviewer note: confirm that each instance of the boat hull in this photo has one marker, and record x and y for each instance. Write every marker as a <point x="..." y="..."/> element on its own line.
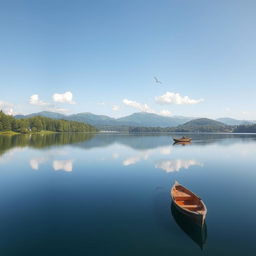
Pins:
<point x="188" y="203"/>
<point x="182" y="143"/>
<point x="182" y="140"/>
<point x="198" y="219"/>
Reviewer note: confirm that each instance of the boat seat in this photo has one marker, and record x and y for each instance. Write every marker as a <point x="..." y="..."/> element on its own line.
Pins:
<point x="190" y="206"/>
<point x="182" y="198"/>
<point x="180" y="193"/>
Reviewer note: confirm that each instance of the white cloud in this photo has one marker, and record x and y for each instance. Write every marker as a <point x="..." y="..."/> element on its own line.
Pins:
<point x="139" y="106"/>
<point x="101" y="103"/>
<point x="7" y="108"/>
<point x="145" y="108"/>
<point x="176" y="165"/>
<point x="64" y="165"/>
<point x="115" y="108"/>
<point x="175" y="98"/>
<point x="66" y="97"/>
<point x="34" y="100"/>
<point x="165" y="112"/>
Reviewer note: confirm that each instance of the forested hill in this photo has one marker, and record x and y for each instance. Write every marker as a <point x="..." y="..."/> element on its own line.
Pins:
<point x="38" y="124"/>
<point x="197" y="125"/>
<point x="245" y="129"/>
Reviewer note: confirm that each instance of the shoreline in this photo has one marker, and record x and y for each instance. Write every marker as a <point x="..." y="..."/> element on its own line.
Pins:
<point x="11" y="133"/>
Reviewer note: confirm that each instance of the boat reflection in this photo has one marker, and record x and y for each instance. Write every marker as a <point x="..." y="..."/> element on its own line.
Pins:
<point x="181" y="143"/>
<point x="196" y="233"/>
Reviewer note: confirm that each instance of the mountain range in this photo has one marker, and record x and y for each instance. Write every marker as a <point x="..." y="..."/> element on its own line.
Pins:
<point x="231" y="121"/>
<point x="140" y="119"/>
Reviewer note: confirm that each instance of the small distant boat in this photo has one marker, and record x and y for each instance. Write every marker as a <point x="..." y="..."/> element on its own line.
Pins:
<point x="182" y="139"/>
<point x="188" y="203"/>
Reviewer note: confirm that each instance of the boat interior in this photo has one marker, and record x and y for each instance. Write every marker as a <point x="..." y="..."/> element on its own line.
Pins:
<point x="187" y="200"/>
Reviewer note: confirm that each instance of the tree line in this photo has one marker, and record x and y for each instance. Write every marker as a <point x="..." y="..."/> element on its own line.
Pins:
<point x="179" y="129"/>
<point x="38" y="124"/>
<point x="228" y="129"/>
<point x="245" y="129"/>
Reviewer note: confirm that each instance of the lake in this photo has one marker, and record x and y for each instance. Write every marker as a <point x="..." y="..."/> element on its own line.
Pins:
<point x="109" y="194"/>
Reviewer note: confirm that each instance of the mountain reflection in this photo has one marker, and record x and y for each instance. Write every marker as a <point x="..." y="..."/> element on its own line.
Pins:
<point x="126" y="150"/>
<point x="139" y="142"/>
<point x="176" y="165"/>
<point x="144" y="142"/>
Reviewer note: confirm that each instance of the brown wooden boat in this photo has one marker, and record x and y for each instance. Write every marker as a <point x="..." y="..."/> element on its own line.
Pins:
<point x="182" y="139"/>
<point x="188" y="203"/>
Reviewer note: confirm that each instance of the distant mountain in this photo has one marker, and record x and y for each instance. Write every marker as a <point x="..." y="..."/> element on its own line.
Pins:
<point x="96" y="120"/>
<point x="203" y="125"/>
<point x="232" y="121"/>
<point x="48" y="114"/>
<point x="109" y="123"/>
<point x="152" y="120"/>
<point x="143" y="119"/>
<point x="196" y="125"/>
<point x="203" y="122"/>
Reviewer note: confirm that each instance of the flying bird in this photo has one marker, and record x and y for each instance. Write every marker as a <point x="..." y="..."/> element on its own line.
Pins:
<point x="157" y="81"/>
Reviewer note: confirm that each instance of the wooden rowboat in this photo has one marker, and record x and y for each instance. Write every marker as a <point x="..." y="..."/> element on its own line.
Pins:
<point x="183" y="139"/>
<point x="188" y="203"/>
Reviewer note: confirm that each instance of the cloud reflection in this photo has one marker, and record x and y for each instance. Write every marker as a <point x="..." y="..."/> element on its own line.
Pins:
<point x="144" y="155"/>
<point x="135" y="159"/>
<point x="63" y="165"/>
<point x="176" y="165"/>
<point x="166" y="151"/>
<point x="115" y="155"/>
<point x="131" y="160"/>
<point x="35" y="162"/>
<point x="9" y="155"/>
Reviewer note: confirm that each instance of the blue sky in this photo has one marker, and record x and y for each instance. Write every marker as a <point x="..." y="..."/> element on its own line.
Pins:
<point x="101" y="57"/>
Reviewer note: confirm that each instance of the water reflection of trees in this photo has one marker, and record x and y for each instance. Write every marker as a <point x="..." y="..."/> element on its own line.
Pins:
<point x="41" y="141"/>
<point x="139" y="142"/>
<point x="151" y="141"/>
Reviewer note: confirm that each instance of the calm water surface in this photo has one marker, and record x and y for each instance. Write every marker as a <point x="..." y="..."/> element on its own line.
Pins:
<point x="77" y="194"/>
